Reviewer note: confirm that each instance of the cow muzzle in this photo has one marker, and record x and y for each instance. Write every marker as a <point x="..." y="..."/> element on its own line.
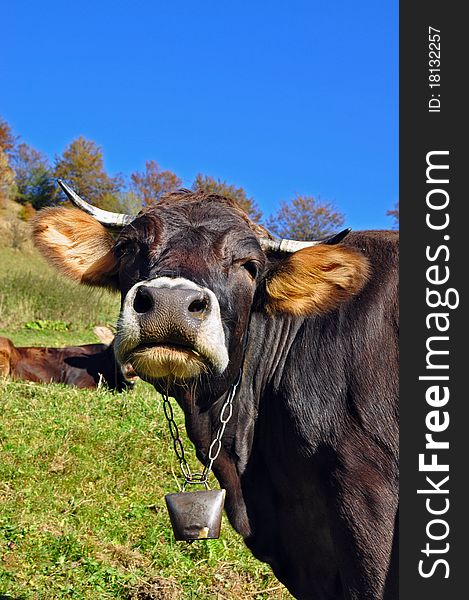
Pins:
<point x="171" y="328"/>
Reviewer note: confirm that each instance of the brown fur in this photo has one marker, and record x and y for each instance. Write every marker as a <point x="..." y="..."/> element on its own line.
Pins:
<point x="76" y="244"/>
<point x="316" y="280"/>
<point x="186" y="196"/>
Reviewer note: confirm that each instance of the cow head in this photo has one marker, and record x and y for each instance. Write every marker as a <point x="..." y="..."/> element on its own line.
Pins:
<point x="190" y="270"/>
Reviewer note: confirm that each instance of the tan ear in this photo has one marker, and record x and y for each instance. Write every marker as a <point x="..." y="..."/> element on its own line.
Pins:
<point x="104" y="334"/>
<point x="316" y="280"/>
<point x="77" y="245"/>
<point x="5" y="356"/>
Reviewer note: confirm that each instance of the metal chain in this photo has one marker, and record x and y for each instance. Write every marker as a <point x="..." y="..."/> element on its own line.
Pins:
<point x="225" y="415"/>
<point x="215" y="447"/>
<point x="177" y="440"/>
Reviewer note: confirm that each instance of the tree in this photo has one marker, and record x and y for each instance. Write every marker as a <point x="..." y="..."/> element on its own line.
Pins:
<point x="210" y="185"/>
<point x="7" y="176"/>
<point x="81" y="165"/>
<point x="395" y="214"/>
<point x="305" y="218"/>
<point x="34" y="180"/>
<point x="123" y="202"/>
<point x="153" y="183"/>
<point x="7" y="139"/>
<point x="7" y="179"/>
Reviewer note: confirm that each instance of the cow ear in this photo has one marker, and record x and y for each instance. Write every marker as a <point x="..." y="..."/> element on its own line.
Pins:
<point x="316" y="280"/>
<point x="75" y="243"/>
<point x="104" y="334"/>
<point x="5" y="356"/>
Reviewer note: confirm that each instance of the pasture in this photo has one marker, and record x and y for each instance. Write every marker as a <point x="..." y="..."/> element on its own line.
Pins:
<point x="83" y="473"/>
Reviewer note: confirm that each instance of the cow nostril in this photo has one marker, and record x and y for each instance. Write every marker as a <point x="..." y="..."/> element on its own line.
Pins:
<point x="142" y="301"/>
<point x="198" y="307"/>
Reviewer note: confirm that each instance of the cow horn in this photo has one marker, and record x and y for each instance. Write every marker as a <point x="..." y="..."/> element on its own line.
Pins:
<point x="106" y="217"/>
<point x="279" y="245"/>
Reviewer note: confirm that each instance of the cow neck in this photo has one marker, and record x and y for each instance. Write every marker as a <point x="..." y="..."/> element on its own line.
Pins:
<point x="215" y="446"/>
<point x="269" y="349"/>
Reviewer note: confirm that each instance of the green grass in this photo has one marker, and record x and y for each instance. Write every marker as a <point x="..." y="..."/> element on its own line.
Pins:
<point x="83" y="473"/>
<point x="31" y="291"/>
<point x="83" y="476"/>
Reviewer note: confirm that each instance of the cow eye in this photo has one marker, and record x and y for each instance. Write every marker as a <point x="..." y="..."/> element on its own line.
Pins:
<point x="124" y="248"/>
<point x="252" y="268"/>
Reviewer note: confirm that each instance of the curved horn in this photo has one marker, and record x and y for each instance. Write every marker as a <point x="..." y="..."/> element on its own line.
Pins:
<point x="278" y="245"/>
<point x="111" y="219"/>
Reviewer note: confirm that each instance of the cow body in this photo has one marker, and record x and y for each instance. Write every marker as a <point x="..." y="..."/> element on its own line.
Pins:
<point x="81" y="366"/>
<point x="309" y="457"/>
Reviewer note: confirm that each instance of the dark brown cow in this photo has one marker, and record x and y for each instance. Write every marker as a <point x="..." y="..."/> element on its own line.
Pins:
<point x="309" y="458"/>
<point x="81" y="366"/>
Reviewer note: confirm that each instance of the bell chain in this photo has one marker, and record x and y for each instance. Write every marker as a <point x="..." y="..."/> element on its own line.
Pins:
<point x="215" y="447"/>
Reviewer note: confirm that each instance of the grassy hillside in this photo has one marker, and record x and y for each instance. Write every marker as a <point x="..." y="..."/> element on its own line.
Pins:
<point x="34" y="298"/>
<point x="83" y="473"/>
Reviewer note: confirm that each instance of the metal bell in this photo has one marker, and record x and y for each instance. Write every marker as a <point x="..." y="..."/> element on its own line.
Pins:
<point x="196" y="515"/>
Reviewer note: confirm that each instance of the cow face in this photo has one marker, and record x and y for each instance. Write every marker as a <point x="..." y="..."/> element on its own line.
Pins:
<point x="190" y="271"/>
<point x="187" y="274"/>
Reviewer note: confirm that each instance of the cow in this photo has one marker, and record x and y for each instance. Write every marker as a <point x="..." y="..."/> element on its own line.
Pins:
<point x="303" y="335"/>
<point x="83" y="366"/>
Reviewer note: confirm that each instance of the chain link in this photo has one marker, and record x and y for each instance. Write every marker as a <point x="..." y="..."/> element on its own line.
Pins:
<point x="215" y="447"/>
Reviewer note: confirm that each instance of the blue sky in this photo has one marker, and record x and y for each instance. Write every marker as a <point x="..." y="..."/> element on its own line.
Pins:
<point x="281" y="98"/>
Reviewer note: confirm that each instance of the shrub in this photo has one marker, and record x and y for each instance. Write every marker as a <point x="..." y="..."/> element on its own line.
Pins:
<point x="26" y="212"/>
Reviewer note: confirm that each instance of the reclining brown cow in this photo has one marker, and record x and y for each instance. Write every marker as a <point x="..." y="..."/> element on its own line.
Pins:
<point x="82" y="366"/>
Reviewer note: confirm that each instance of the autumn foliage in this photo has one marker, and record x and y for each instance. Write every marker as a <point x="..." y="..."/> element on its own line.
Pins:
<point x="153" y="183"/>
